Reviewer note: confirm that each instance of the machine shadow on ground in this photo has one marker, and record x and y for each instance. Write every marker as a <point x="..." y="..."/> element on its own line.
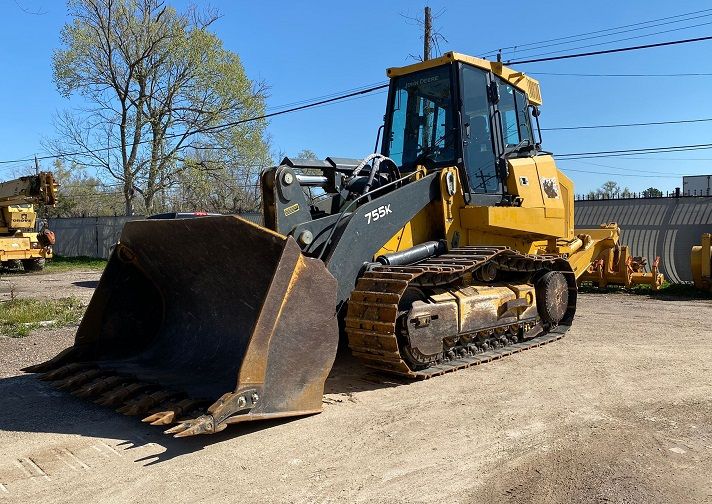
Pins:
<point x="31" y="405"/>
<point x="348" y="376"/>
<point x="674" y="292"/>
<point x="89" y="284"/>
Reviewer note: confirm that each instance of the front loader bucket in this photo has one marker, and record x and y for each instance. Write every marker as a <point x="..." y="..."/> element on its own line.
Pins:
<point x="204" y="322"/>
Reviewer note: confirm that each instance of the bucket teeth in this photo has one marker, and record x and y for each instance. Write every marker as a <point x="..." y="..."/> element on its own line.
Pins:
<point x="144" y="403"/>
<point x="169" y="413"/>
<point x="43" y="367"/>
<point x="76" y="381"/>
<point x="98" y="386"/>
<point x="202" y="425"/>
<point x="119" y="394"/>
<point x="160" y="418"/>
<point x="65" y="371"/>
<point x="71" y="354"/>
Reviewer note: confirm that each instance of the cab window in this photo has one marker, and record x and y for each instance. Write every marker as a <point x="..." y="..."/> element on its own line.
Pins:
<point x="477" y="127"/>
<point x="422" y="119"/>
<point x="513" y="107"/>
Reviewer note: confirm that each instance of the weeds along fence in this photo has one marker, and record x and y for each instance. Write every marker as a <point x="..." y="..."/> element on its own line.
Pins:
<point x="94" y="236"/>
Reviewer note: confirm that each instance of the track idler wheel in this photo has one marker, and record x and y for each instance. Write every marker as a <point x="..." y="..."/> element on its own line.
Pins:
<point x="552" y="297"/>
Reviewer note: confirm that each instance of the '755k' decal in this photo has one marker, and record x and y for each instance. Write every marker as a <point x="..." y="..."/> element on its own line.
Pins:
<point x="378" y="213"/>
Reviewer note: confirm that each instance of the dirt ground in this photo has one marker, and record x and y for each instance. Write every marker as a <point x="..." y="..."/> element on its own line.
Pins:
<point x="76" y="283"/>
<point x="619" y="411"/>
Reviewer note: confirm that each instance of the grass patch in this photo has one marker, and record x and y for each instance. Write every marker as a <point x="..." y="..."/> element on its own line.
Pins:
<point x="60" y="263"/>
<point x="20" y="316"/>
<point x="683" y="291"/>
<point x="667" y="289"/>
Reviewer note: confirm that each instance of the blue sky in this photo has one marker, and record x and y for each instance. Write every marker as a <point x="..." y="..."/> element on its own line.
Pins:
<point x="310" y="49"/>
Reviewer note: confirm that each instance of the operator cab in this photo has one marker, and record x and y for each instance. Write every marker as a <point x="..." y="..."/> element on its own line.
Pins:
<point x="459" y="114"/>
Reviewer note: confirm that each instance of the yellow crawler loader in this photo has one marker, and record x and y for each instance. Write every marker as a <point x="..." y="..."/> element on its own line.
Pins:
<point x="453" y="246"/>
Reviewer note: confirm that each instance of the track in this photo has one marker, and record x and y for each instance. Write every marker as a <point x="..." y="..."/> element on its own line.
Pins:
<point x="371" y="320"/>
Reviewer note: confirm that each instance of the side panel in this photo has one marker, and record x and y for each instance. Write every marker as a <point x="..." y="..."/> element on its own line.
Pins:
<point x="423" y="227"/>
<point x="550" y="185"/>
<point x="530" y="223"/>
<point x="545" y="212"/>
<point x="517" y="227"/>
<point x="523" y="181"/>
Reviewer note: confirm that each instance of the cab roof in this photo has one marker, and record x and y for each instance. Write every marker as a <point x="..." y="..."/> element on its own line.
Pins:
<point x="517" y="79"/>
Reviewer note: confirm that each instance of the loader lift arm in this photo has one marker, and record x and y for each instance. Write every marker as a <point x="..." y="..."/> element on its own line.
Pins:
<point x="368" y="220"/>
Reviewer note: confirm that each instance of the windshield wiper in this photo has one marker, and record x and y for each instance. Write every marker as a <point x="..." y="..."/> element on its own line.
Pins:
<point x="524" y="144"/>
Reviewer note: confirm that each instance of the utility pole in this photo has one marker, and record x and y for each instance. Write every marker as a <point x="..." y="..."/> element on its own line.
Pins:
<point x="37" y="166"/>
<point x="427" y="109"/>
<point x="428" y="23"/>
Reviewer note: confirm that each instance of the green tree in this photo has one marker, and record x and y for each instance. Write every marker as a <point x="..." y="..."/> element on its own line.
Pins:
<point x="158" y="88"/>
<point x="652" y="192"/>
<point x="310" y="192"/>
<point x="222" y="188"/>
<point x="307" y="154"/>
<point x="81" y="194"/>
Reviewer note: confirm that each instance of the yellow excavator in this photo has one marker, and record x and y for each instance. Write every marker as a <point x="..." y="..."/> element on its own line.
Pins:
<point x="19" y="241"/>
<point x="452" y="246"/>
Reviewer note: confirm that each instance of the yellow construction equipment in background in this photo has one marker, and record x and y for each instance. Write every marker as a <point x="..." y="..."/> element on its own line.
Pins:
<point x="453" y="246"/>
<point x="701" y="263"/>
<point x="616" y="266"/>
<point x="19" y="241"/>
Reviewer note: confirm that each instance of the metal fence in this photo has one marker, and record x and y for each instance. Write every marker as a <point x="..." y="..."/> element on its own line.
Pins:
<point x="94" y="236"/>
<point x="694" y="193"/>
<point x="667" y="227"/>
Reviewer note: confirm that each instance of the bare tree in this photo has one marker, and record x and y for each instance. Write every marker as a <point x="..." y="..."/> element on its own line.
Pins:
<point x="159" y="91"/>
<point x="610" y="190"/>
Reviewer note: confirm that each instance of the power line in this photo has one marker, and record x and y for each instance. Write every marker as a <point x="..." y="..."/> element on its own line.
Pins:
<point x="577" y="36"/>
<point x="633" y="158"/>
<point x="210" y="128"/>
<point x="597" y="44"/>
<point x="622" y="75"/>
<point x="619" y="167"/>
<point x="323" y="97"/>
<point x="353" y="94"/>
<point x="622" y="174"/>
<point x="645" y="35"/>
<point x="626" y="152"/>
<point x="627" y="125"/>
<point x="518" y="46"/>
<point x="610" y="51"/>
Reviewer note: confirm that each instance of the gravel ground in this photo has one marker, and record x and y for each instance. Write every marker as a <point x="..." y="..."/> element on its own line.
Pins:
<point x="76" y="283"/>
<point x="619" y="411"/>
